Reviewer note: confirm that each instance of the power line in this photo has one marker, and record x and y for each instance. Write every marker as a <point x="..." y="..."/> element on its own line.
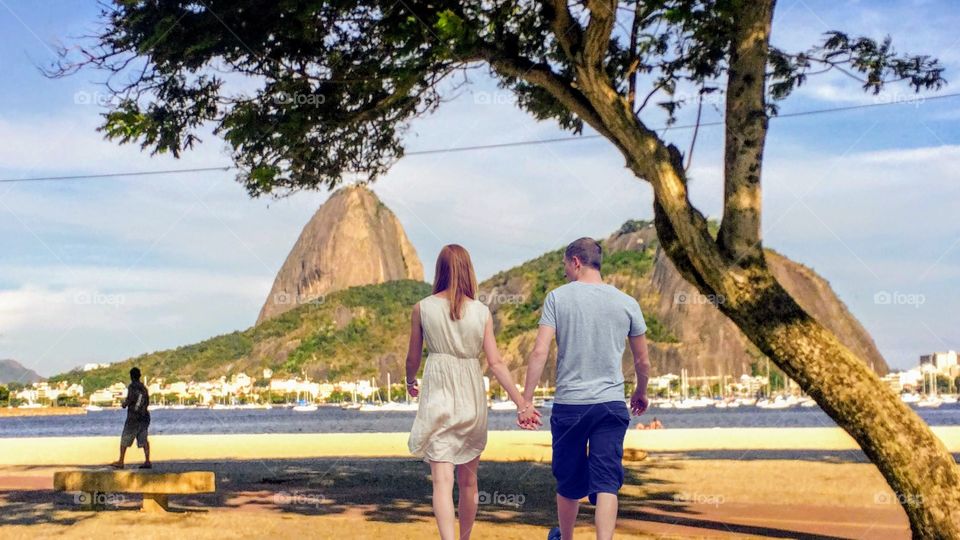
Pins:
<point x="471" y="148"/>
<point x="116" y="175"/>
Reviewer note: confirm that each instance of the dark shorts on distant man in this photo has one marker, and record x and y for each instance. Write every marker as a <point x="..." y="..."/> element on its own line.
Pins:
<point x="588" y="448"/>
<point x="135" y="429"/>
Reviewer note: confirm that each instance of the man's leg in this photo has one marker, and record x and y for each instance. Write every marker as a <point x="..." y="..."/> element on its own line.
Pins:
<point x="606" y="464"/>
<point x="146" y="452"/>
<point x="467" y="506"/>
<point x="123" y="452"/>
<point x="442" y="473"/>
<point x="606" y="515"/>
<point x="567" y="510"/>
<point x="570" y="428"/>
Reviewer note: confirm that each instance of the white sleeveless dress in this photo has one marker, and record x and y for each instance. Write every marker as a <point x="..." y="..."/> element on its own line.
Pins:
<point x="451" y="423"/>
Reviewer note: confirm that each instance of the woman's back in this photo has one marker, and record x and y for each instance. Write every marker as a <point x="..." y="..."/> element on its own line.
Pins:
<point x="461" y="338"/>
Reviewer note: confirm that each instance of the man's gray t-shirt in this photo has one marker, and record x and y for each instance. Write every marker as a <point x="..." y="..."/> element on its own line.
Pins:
<point x="592" y="321"/>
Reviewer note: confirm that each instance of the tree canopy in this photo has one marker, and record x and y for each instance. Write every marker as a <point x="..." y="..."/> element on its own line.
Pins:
<point x="329" y="87"/>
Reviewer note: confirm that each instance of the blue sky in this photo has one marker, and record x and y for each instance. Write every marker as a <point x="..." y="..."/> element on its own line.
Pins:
<point x="99" y="270"/>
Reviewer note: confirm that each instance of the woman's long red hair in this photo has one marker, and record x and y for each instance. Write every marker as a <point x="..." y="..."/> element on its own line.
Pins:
<point x="454" y="275"/>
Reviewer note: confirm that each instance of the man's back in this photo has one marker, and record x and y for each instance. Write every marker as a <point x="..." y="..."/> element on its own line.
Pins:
<point x="138" y="400"/>
<point x="592" y="321"/>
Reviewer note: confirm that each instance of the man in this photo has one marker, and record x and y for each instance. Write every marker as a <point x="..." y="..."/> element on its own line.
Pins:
<point x="592" y="322"/>
<point x="138" y="420"/>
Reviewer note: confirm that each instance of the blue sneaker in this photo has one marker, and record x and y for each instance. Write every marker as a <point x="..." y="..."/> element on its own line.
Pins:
<point x="554" y="534"/>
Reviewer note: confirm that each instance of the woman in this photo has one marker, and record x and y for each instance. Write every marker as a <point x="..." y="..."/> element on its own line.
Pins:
<point x="450" y="430"/>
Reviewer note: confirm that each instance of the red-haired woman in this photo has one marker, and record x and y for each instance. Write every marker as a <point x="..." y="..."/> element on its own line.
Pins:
<point x="450" y="431"/>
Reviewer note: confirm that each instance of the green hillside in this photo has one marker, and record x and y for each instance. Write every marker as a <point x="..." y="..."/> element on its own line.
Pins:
<point x="339" y="337"/>
<point x="362" y="332"/>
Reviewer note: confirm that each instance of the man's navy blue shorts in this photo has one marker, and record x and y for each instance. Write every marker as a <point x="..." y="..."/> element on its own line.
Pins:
<point x="588" y="448"/>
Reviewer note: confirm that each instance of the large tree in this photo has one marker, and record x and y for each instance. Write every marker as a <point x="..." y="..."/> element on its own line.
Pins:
<point x="328" y="87"/>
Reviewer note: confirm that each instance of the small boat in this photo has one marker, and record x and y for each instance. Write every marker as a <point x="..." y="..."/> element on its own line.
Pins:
<point x="808" y="402"/>
<point x="910" y="398"/>
<point x="930" y="403"/>
<point x="306" y="407"/>
<point x="93" y="408"/>
<point x="778" y="403"/>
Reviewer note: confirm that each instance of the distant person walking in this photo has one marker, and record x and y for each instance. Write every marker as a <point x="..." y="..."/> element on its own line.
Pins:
<point x="137" y="403"/>
<point x="450" y="431"/>
<point x="592" y="322"/>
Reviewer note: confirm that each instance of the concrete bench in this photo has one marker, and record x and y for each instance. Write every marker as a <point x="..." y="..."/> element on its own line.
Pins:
<point x="156" y="487"/>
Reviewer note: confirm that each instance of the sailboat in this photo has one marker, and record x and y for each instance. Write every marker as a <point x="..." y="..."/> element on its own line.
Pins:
<point x="304" y="406"/>
<point x="932" y="401"/>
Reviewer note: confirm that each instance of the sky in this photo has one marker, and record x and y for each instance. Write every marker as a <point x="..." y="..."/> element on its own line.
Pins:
<point x="99" y="270"/>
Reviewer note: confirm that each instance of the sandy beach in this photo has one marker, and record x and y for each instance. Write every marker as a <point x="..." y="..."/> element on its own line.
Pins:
<point x="502" y="445"/>
<point x="693" y="483"/>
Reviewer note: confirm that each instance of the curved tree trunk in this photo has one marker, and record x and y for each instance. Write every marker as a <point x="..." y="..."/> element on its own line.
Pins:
<point x="915" y="463"/>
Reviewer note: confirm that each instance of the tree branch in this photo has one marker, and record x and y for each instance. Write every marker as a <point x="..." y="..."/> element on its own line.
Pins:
<point x="596" y="40"/>
<point x="746" y="132"/>
<point x="566" y="29"/>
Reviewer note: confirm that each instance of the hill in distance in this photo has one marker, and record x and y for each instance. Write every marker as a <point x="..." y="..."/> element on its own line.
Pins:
<point x="12" y="371"/>
<point x="361" y="332"/>
<point x="353" y="239"/>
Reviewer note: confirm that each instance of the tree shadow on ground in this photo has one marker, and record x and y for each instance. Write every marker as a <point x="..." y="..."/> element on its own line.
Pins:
<point x="28" y="507"/>
<point x="397" y="491"/>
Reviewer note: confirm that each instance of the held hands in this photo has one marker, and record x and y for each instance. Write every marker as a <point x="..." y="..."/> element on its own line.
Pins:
<point x="413" y="388"/>
<point x="639" y="402"/>
<point x="528" y="417"/>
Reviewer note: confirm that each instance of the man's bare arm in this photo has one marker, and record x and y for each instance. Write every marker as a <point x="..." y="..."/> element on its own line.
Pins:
<point x="537" y="360"/>
<point x="641" y="364"/>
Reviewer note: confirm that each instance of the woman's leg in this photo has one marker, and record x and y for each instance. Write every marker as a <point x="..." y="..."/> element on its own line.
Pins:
<point x="442" y="473"/>
<point x="467" y="481"/>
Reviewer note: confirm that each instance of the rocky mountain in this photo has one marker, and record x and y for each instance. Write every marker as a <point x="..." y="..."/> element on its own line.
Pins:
<point x="361" y="332"/>
<point x="12" y="371"/>
<point x="353" y="239"/>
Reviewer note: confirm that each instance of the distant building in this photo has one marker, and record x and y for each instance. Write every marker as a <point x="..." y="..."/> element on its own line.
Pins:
<point x="93" y="366"/>
<point x="943" y="362"/>
<point x="295" y="386"/>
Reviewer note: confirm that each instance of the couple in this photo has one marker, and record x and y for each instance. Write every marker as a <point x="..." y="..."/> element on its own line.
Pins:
<point x="592" y="322"/>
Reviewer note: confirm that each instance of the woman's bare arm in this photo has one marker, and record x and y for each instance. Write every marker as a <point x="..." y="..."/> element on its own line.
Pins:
<point x="498" y="367"/>
<point x="414" y="351"/>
